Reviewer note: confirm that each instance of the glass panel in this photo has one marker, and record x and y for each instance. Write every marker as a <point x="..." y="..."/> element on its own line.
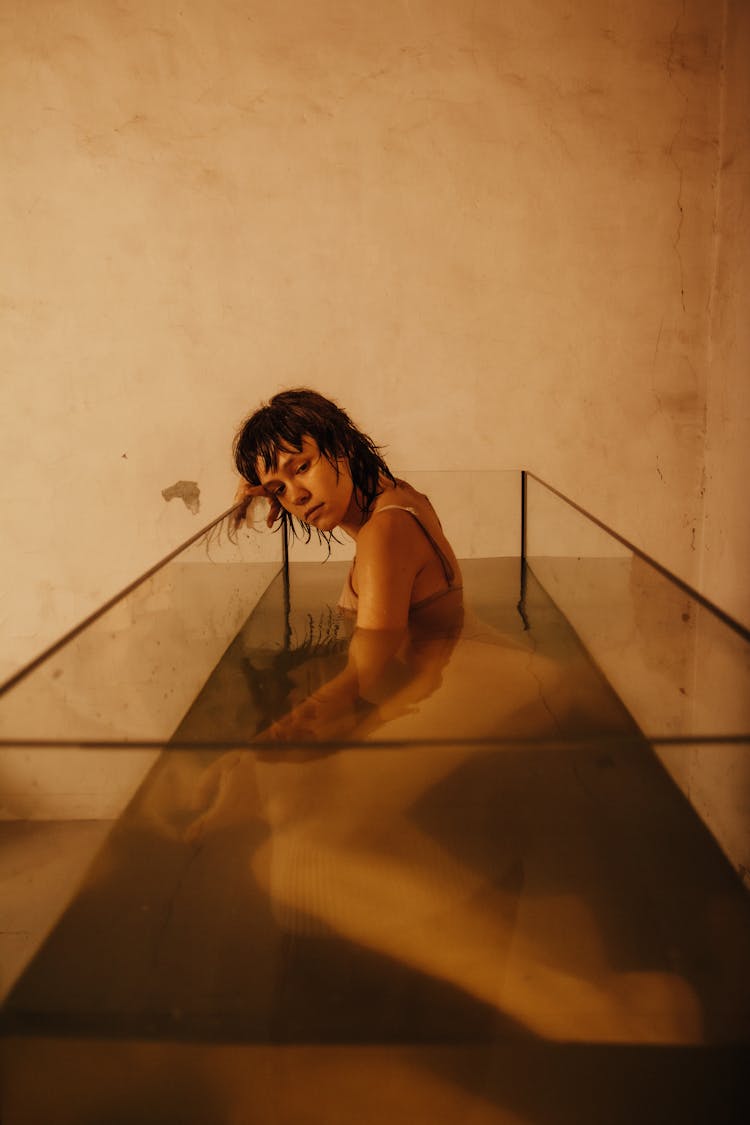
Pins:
<point x="460" y="897"/>
<point x="678" y="667"/>
<point x="506" y="1082"/>
<point x="133" y="672"/>
<point x="480" y="894"/>
<point x="480" y="513"/>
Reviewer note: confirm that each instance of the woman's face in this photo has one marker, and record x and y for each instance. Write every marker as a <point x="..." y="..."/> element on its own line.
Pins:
<point x="307" y="485"/>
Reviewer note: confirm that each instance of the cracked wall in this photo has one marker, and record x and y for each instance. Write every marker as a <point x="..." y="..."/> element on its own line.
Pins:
<point x="726" y="528"/>
<point x="487" y="230"/>
<point x="717" y="778"/>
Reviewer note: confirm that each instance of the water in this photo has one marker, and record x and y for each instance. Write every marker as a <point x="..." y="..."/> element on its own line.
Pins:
<point x="479" y="674"/>
<point x="488" y="903"/>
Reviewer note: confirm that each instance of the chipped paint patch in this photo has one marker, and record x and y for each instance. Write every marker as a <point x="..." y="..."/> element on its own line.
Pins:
<point x="187" y="491"/>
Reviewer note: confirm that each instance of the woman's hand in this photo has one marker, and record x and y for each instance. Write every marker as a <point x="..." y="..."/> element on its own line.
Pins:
<point x="244" y="496"/>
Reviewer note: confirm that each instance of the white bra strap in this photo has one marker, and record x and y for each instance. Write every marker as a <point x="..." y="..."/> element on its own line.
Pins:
<point x="442" y="557"/>
<point x="396" y="508"/>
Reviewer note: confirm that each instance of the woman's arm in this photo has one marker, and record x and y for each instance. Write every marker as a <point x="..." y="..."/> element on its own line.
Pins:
<point x="334" y="710"/>
<point x="390" y="553"/>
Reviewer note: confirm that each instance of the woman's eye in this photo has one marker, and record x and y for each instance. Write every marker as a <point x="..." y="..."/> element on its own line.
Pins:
<point x="278" y="490"/>
<point x="303" y="467"/>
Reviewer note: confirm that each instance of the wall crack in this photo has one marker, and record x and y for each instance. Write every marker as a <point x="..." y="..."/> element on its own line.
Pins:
<point x="672" y="62"/>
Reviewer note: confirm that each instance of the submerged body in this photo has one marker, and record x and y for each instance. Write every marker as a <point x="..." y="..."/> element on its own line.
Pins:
<point x="410" y="821"/>
<point x="303" y="455"/>
<point x="405" y="590"/>
<point x="430" y="583"/>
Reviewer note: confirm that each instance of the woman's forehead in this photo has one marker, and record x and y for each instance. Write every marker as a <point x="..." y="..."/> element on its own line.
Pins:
<point x="281" y="452"/>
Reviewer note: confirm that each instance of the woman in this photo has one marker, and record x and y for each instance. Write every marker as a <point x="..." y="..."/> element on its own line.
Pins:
<point x="320" y="473"/>
<point x="303" y="453"/>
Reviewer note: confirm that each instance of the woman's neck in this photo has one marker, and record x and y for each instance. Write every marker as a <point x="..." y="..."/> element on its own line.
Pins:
<point x="356" y="517"/>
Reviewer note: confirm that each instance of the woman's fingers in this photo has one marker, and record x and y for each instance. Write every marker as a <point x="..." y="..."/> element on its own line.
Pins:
<point x="247" y="492"/>
<point x="244" y="496"/>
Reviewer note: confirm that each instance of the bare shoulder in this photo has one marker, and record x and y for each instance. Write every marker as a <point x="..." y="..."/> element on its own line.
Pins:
<point x="390" y="553"/>
<point x="389" y="531"/>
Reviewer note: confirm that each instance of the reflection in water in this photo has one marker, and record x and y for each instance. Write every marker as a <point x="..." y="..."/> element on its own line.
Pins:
<point x="273" y="675"/>
<point x="345" y="855"/>
<point x="425" y="893"/>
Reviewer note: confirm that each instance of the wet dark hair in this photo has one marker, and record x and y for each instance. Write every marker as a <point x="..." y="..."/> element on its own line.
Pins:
<point x="279" y="427"/>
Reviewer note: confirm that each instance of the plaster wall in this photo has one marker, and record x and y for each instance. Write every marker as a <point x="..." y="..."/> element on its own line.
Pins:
<point x="716" y="778"/>
<point x="485" y="228"/>
<point x="726" y="545"/>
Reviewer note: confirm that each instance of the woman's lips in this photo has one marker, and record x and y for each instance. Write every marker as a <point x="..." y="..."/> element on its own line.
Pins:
<point x="311" y="512"/>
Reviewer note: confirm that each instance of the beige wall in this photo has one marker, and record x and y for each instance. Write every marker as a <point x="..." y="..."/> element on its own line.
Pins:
<point x="486" y="228"/>
<point x="726" y="546"/>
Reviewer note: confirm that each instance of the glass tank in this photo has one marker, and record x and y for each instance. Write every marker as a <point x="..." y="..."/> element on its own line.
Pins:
<point x="503" y="884"/>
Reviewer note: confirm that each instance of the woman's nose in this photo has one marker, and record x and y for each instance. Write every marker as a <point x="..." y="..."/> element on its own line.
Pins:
<point x="298" y="494"/>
